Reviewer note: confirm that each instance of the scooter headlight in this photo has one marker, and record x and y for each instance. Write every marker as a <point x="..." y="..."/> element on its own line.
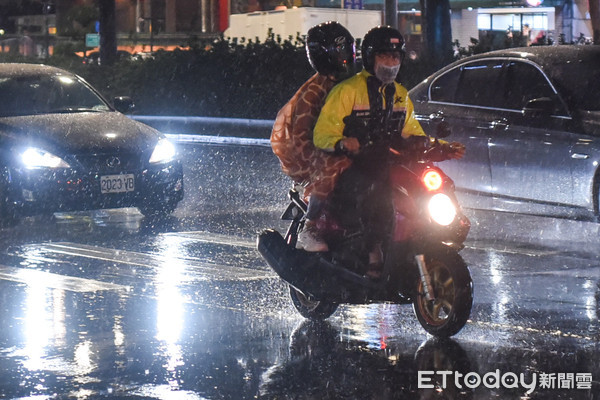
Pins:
<point x="442" y="209"/>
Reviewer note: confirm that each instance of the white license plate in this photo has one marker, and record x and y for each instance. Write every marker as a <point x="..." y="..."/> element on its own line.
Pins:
<point x="117" y="183"/>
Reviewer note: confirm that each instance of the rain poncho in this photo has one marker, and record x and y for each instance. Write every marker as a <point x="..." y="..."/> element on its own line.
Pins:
<point x="292" y="140"/>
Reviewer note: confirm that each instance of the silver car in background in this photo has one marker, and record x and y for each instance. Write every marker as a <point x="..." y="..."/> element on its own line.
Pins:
<point x="530" y="120"/>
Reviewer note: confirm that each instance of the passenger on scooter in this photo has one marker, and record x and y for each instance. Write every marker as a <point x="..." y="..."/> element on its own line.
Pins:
<point x="331" y="52"/>
<point x="365" y="117"/>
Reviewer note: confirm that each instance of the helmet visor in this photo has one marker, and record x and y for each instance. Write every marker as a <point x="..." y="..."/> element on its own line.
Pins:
<point x="345" y="57"/>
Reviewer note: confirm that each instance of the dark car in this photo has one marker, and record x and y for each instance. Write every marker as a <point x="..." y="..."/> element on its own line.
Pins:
<point x="64" y="148"/>
<point x="530" y="119"/>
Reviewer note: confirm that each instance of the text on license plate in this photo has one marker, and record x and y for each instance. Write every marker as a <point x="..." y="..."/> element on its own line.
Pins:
<point x="116" y="183"/>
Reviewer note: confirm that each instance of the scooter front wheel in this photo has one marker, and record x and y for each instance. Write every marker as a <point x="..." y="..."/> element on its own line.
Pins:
<point x="316" y="310"/>
<point x="452" y="286"/>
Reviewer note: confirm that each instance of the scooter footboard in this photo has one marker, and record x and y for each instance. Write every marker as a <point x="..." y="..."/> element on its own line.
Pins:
<point x="309" y="273"/>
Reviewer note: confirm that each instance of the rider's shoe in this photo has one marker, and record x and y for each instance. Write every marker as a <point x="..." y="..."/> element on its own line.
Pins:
<point x="310" y="240"/>
<point x="375" y="271"/>
<point x="375" y="262"/>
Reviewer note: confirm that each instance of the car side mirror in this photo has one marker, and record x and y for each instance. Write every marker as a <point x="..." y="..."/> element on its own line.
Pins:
<point x="124" y="104"/>
<point x="540" y="107"/>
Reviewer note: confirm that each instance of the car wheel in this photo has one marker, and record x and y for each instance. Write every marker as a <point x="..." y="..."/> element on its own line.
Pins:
<point x="157" y="210"/>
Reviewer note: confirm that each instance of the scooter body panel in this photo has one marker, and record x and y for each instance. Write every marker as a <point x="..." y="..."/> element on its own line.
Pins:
<point x="319" y="278"/>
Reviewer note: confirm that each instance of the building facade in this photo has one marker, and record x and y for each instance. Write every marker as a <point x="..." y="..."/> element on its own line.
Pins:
<point x="145" y="25"/>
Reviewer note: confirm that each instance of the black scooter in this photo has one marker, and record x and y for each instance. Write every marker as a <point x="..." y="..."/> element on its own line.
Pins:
<point x="422" y="265"/>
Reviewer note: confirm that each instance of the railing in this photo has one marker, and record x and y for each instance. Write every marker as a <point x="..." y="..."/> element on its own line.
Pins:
<point x="211" y="130"/>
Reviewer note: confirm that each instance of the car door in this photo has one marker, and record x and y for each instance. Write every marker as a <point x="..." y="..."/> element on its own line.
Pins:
<point x="529" y="154"/>
<point x="462" y="97"/>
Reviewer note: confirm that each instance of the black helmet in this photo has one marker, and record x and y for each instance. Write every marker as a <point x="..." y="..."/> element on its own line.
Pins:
<point x="378" y="40"/>
<point x="330" y="49"/>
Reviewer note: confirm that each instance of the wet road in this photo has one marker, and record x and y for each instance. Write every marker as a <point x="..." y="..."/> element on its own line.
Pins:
<point x="108" y="304"/>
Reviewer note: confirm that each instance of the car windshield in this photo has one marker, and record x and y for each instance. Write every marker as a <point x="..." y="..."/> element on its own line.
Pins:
<point x="46" y="94"/>
<point x="580" y="81"/>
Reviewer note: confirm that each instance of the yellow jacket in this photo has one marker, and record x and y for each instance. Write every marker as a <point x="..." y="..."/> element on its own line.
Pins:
<point x="351" y="97"/>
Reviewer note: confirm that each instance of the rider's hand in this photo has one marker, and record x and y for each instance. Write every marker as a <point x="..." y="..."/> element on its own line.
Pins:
<point x="350" y="145"/>
<point x="455" y="150"/>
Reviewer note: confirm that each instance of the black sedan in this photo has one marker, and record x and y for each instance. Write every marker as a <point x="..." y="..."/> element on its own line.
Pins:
<point x="530" y="119"/>
<point x="64" y="148"/>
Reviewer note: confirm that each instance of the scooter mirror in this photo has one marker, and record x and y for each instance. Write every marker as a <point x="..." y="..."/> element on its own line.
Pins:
<point x="442" y="130"/>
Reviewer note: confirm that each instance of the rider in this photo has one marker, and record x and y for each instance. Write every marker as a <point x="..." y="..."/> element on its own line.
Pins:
<point x="331" y="52"/>
<point x="373" y="114"/>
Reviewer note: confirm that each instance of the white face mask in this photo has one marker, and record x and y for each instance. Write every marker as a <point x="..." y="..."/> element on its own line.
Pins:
<point x="386" y="74"/>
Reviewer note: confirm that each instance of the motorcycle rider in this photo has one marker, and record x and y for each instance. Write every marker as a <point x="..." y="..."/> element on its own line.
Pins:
<point x="365" y="117"/>
<point x="331" y="52"/>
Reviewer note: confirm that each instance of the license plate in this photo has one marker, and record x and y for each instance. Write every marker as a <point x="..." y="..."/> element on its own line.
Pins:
<point x="117" y="183"/>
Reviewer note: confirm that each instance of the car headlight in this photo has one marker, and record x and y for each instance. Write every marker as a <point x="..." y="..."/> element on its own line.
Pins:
<point x="442" y="209"/>
<point x="163" y="152"/>
<point x="37" y="158"/>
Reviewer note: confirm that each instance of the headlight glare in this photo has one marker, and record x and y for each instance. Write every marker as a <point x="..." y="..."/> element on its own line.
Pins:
<point x="37" y="158"/>
<point x="441" y="209"/>
<point x="163" y="152"/>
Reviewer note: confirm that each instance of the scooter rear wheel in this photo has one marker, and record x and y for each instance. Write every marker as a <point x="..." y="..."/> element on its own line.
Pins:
<point x="453" y="289"/>
<point x="316" y="310"/>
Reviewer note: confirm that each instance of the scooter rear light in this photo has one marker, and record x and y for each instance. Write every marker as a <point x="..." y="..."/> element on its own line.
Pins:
<point x="432" y="180"/>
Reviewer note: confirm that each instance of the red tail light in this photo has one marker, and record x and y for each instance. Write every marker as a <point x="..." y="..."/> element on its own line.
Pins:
<point x="432" y="180"/>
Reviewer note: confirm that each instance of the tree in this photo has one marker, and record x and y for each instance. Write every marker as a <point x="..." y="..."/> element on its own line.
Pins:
<point x="108" y="33"/>
<point x="595" y="17"/>
<point x="437" y="32"/>
<point x="77" y="21"/>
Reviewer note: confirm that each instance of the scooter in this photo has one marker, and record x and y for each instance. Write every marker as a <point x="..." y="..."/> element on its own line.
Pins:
<point x="422" y="264"/>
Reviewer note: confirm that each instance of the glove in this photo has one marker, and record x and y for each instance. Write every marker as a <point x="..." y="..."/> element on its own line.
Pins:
<point x="454" y="150"/>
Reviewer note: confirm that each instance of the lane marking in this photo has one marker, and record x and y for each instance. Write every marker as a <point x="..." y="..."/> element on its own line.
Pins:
<point x="206" y="270"/>
<point x="509" y="250"/>
<point x="557" y="332"/>
<point x="591" y="272"/>
<point x="208" y="237"/>
<point x="56" y="281"/>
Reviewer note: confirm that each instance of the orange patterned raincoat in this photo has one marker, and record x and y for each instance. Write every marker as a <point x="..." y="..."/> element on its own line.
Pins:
<point x="292" y="140"/>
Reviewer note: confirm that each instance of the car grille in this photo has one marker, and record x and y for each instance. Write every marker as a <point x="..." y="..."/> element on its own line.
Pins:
<point x="109" y="162"/>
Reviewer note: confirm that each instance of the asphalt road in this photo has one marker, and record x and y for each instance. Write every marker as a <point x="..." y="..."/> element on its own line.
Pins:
<point x="108" y="304"/>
